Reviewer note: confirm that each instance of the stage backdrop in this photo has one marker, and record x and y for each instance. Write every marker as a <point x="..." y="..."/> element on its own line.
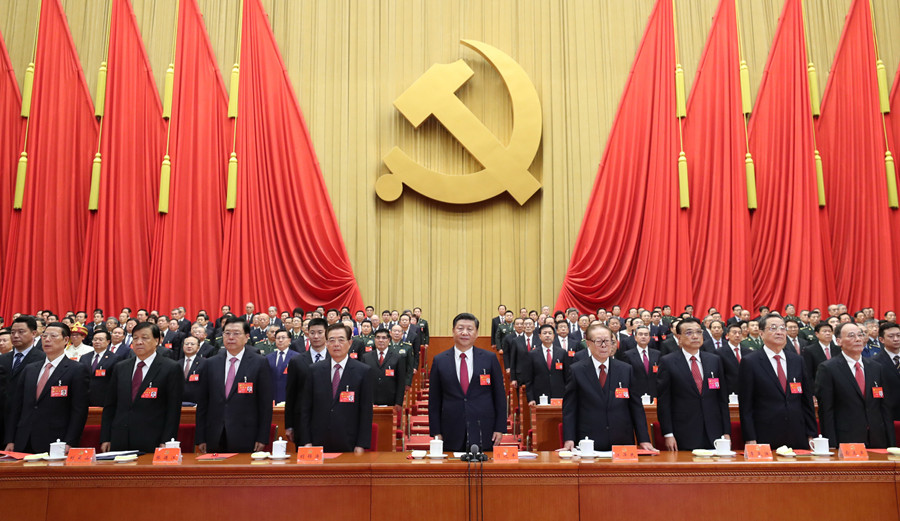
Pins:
<point x="348" y="60"/>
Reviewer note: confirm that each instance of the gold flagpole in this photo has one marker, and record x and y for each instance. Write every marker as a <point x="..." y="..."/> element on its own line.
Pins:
<point x="165" y="173"/>
<point x="746" y="108"/>
<point x="22" y="167"/>
<point x="231" y="187"/>
<point x="680" y="112"/>
<point x="99" y="112"/>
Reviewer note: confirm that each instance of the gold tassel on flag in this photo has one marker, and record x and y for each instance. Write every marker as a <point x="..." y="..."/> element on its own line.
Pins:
<point x="813" y="88"/>
<point x="20" y="181"/>
<point x="820" y="179"/>
<point x="891" y="180"/>
<point x="165" y="175"/>
<point x="883" y="91"/>
<point x="745" y="88"/>
<point x="27" y="89"/>
<point x="751" y="182"/>
<point x="167" y="93"/>
<point x="680" y="110"/>
<point x="100" y="102"/>
<point x="94" y="197"/>
<point x="683" y="194"/>
<point x="233" y="93"/>
<point x="231" y="190"/>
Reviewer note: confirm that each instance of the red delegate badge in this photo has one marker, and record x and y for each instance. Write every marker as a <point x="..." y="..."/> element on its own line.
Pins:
<point x="348" y="397"/>
<point x="245" y="387"/>
<point x="100" y="372"/>
<point x="149" y="392"/>
<point x="622" y="392"/>
<point x="713" y="383"/>
<point x="194" y="378"/>
<point x="59" y="391"/>
<point x="485" y="379"/>
<point x="877" y="392"/>
<point x="559" y="366"/>
<point x="388" y="372"/>
<point x="796" y="388"/>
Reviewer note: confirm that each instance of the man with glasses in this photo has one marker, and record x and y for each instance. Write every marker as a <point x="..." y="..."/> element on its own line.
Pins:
<point x="609" y="413"/>
<point x="850" y="390"/>
<point x="467" y="399"/>
<point x="775" y="395"/>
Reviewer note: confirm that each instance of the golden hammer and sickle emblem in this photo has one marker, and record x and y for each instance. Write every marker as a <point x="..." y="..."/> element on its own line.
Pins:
<point x="505" y="167"/>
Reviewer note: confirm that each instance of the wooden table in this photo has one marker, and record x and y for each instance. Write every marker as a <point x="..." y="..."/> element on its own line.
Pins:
<point x="383" y="485"/>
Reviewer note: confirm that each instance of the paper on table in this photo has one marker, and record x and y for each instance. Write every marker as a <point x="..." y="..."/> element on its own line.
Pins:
<point x="645" y="452"/>
<point x="331" y="455"/>
<point x="878" y="451"/>
<point x="216" y="456"/>
<point x="458" y="454"/>
<point x="13" y="455"/>
<point x="523" y="454"/>
<point x="103" y="456"/>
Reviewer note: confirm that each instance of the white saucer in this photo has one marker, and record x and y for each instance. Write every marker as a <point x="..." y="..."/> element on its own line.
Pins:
<point x="436" y="456"/>
<point x="259" y="455"/>
<point x="704" y="453"/>
<point x="829" y="453"/>
<point x="565" y="454"/>
<point x="726" y="454"/>
<point x="54" y="458"/>
<point x="595" y="454"/>
<point x="283" y="456"/>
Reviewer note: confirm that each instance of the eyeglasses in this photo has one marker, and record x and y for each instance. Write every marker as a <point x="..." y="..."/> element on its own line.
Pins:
<point x="854" y="336"/>
<point x="51" y="336"/>
<point x="773" y="329"/>
<point x="693" y="332"/>
<point x="601" y="343"/>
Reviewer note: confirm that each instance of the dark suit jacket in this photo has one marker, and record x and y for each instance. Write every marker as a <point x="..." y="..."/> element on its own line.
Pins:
<point x="207" y="350"/>
<point x="192" y="389"/>
<point x="184" y="326"/>
<point x="508" y="346"/>
<point x="695" y="418"/>
<point x="520" y="352"/>
<point x="279" y="372"/>
<point x="327" y="421"/>
<point x="244" y="418"/>
<point x="891" y="381"/>
<point x="495" y="323"/>
<point x="668" y="346"/>
<point x="471" y="418"/>
<point x="730" y="364"/>
<point x="144" y="423"/>
<point x="814" y="356"/>
<point x="174" y="339"/>
<point x="41" y="421"/>
<point x="540" y="380"/>
<point x="768" y="413"/>
<point x="12" y="378"/>
<point x="100" y="377"/>
<point x="845" y="414"/>
<point x="389" y="390"/>
<point x="644" y="382"/>
<point x="298" y="371"/>
<point x="594" y="412"/>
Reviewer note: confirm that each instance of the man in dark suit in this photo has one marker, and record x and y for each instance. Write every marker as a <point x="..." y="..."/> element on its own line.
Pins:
<point x="823" y="349"/>
<point x="852" y="403"/>
<point x="143" y="405"/>
<point x="172" y="338"/>
<point x="298" y="372"/>
<point x="467" y="399"/>
<point x="273" y="318"/>
<point x="670" y="344"/>
<point x="509" y="344"/>
<point x="53" y="398"/>
<point x="732" y="353"/>
<point x="410" y="333"/>
<point x="644" y="362"/>
<point x="278" y="363"/>
<point x="496" y="321"/>
<point x="191" y="363"/>
<point x="794" y="341"/>
<point x="599" y="402"/>
<point x="99" y="365"/>
<point x="389" y="368"/>
<point x="889" y="358"/>
<point x="26" y="350"/>
<point x="545" y="369"/>
<point x="207" y="349"/>
<point x="234" y="411"/>
<point x="776" y="397"/>
<point x="564" y="339"/>
<point x="184" y="325"/>
<point x="336" y="405"/>
<point x="736" y="319"/>
<point x="524" y="343"/>
<point x="693" y="399"/>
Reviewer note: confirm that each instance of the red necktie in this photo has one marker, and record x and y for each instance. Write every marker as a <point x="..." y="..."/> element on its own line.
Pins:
<point x="549" y="365"/>
<point x="336" y="380"/>
<point x="860" y="379"/>
<point x="782" y="378"/>
<point x="380" y="358"/>
<point x="602" y="376"/>
<point x="796" y="346"/>
<point x="827" y="350"/>
<point x="528" y="342"/>
<point x="737" y="354"/>
<point x="43" y="381"/>
<point x="463" y="373"/>
<point x="695" y="371"/>
<point x="646" y="363"/>
<point x="137" y="379"/>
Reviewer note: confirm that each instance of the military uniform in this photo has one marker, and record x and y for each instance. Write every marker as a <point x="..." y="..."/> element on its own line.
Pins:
<point x="502" y="330"/>
<point x="264" y="347"/>
<point x="807" y="334"/>
<point x="754" y="344"/>
<point x="423" y="328"/>
<point x="362" y="344"/>
<point x="405" y="349"/>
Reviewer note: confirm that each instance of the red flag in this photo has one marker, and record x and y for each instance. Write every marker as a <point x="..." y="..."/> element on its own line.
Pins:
<point x="188" y="246"/>
<point x="792" y="260"/>
<point x="120" y="235"/>
<point x="11" y="127"/>
<point x="850" y="134"/>
<point x="630" y="250"/>
<point x="715" y="144"/>
<point x="892" y="121"/>
<point x="46" y="240"/>
<point x="283" y="246"/>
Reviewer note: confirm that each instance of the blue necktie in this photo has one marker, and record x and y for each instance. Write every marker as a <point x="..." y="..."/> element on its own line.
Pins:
<point x="17" y="361"/>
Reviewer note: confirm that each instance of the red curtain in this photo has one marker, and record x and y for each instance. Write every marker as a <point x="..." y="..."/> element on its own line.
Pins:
<point x="11" y="127"/>
<point x="715" y="144"/>
<point x="629" y="250"/>
<point x="850" y="135"/>
<point x="792" y="260"/>
<point x="892" y="121"/>
<point x="188" y="246"/>
<point x="119" y="237"/>
<point x="283" y="246"/>
<point x="46" y="241"/>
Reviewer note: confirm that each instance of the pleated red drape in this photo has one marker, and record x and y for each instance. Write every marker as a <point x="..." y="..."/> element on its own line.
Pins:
<point x="792" y="260"/>
<point x="850" y="135"/>
<point x="46" y="241"/>
<point x="188" y="246"/>
<point x="892" y="121"/>
<point x="715" y="144"/>
<point x="631" y="247"/>
<point x="280" y="187"/>
<point x="119" y="235"/>
<point x="11" y="127"/>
